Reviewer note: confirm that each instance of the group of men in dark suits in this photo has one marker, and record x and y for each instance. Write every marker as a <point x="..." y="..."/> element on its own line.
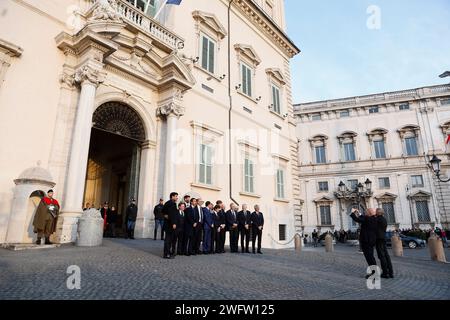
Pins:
<point x="192" y="228"/>
<point x="372" y="234"/>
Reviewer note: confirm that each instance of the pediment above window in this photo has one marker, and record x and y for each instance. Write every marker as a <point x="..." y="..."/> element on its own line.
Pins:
<point x="247" y="52"/>
<point x="277" y="75"/>
<point x="323" y="200"/>
<point x="211" y="22"/>
<point x="387" y="196"/>
<point x="420" y="195"/>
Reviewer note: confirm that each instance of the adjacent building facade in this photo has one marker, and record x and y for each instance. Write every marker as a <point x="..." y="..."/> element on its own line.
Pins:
<point x="101" y="101"/>
<point x="387" y="138"/>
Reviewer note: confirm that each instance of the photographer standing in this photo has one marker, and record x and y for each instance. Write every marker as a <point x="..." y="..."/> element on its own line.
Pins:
<point x="368" y="234"/>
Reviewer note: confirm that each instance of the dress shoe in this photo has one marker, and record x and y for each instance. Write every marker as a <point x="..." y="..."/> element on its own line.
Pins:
<point x="259" y="252"/>
<point x="172" y="257"/>
<point x="391" y="276"/>
<point x="47" y="241"/>
<point x="166" y="257"/>
<point x="385" y="276"/>
<point x="38" y="241"/>
<point x="247" y="251"/>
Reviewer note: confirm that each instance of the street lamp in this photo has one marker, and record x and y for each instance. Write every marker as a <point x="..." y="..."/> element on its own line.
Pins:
<point x="436" y="166"/>
<point x="368" y="184"/>
<point x="342" y="187"/>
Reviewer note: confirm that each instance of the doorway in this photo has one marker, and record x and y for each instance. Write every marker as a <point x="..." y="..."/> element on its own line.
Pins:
<point x="114" y="158"/>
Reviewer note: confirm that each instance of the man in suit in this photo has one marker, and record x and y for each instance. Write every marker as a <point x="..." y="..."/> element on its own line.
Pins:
<point x="198" y="232"/>
<point x="383" y="255"/>
<point x="232" y="227"/>
<point x="214" y="230"/>
<point x="187" y="201"/>
<point x="170" y="213"/>
<point x="208" y="225"/>
<point x="191" y="222"/>
<point x="244" y="223"/>
<point x="367" y="236"/>
<point x="257" y="220"/>
<point x="221" y="224"/>
<point x="178" y="237"/>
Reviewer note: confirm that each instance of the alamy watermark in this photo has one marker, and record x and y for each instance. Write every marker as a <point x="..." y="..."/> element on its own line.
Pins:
<point x="74" y="279"/>
<point x="374" y="20"/>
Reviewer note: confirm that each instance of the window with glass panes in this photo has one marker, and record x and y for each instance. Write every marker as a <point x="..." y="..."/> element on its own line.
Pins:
<point x="208" y="53"/>
<point x="349" y="151"/>
<point x="280" y="183"/>
<point x="423" y="213"/>
<point x="403" y="106"/>
<point x="411" y="146"/>
<point x="379" y="149"/>
<point x="384" y="183"/>
<point x="320" y="154"/>
<point x="246" y="78"/>
<point x="205" y="165"/>
<point x="276" y="99"/>
<point x="417" y="181"/>
<point x="323" y="186"/>
<point x="249" y="177"/>
<point x="325" y="215"/>
<point x="389" y="212"/>
<point x="374" y="109"/>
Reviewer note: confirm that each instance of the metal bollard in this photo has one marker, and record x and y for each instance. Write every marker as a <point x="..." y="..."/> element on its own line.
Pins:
<point x="298" y="242"/>
<point x="436" y="248"/>
<point x="329" y="243"/>
<point x="397" y="246"/>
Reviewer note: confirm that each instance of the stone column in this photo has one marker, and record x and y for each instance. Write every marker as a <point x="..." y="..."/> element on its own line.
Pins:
<point x="171" y="112"/>
<point x="88" y="77"/>
<point x="146" y="202"/>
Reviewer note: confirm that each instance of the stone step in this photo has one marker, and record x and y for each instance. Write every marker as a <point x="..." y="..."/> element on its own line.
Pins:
<point x="28" y="246"/>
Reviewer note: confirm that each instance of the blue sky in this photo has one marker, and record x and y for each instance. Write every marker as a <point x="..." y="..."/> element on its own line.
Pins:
<point x="342" y="57"/>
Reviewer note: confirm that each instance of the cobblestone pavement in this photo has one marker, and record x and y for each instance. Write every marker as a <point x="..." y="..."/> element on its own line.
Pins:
<point x="127" y="269"/>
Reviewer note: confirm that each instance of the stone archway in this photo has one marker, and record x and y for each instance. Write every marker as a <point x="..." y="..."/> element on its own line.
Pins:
<point x="114" y="160"/>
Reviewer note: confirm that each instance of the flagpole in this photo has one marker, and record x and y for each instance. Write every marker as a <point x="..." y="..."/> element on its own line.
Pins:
<point x="160" y="9"/>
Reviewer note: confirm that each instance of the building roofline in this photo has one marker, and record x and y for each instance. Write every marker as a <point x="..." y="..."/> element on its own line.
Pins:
<point x="376" y="98"/>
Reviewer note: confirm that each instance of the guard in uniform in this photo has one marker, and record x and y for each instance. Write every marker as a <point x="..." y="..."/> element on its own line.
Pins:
<point x="44" y="222"/>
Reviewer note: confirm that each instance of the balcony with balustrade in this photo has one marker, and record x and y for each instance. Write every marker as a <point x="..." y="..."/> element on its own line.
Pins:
<point x="140" y="14"/>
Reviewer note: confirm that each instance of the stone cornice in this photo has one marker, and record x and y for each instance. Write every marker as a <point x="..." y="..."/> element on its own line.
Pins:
<point x="10" y="49"/>
<point x="210" y="21"/>
<point x="386" y="98"/>
<point x="259" y="18"/>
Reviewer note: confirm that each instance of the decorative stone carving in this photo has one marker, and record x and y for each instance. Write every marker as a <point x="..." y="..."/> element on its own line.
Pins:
<point x="105" y="10"/>
<point x="170" y="108"/>
<point x="90" y="229"/>
<point x="87" y="73"/>
<point x="67" y="79"/>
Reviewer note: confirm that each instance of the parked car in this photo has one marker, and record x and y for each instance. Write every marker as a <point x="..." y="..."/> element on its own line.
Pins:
<point x="407" y="241"/>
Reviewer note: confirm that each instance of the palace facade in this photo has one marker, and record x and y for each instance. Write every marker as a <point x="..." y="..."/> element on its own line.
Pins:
<point x="102" y="101"/>
<point x="386" y="139"/>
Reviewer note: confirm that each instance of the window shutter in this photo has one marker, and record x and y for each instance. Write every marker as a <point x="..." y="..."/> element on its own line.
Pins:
<point x="205" y="53"/>
<point x="211" y="56"/>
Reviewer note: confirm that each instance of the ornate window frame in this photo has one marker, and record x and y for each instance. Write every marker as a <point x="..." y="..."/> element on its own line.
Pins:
<point x="247" y="56"/>
<point x="388" y="197"/>
<point x="318" y="140"/>
<point x="208" y="25"/>
<point x="378" y="134"/>
<point x="8" y="52"/>
<point x="249" y="151"/>
<point x="410" y="131"/>
<point x="281" y="163"/>
<point x="207" y="135"/>
<point x="324" y="201"/>
<point x="277" y="80"/>
<point x="421" y="195"/>
<point x="347" y="137"/>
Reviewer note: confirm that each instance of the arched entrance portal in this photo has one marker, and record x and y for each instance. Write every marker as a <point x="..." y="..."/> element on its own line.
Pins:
<point x="114" y="156"/>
